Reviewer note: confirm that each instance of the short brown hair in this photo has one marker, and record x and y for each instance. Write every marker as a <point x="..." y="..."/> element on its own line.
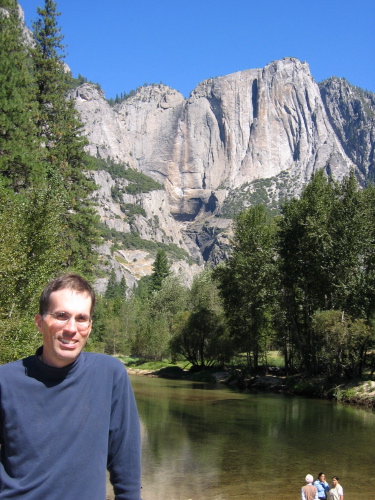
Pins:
<point x="69" y="281"/>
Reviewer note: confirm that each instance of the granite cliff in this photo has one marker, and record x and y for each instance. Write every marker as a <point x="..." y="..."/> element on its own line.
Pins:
<point x="351" y="112"/>
<point x="255" y="135"/>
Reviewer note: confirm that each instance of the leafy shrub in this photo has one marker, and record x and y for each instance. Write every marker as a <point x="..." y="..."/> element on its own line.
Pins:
<point x="134" y="241"/>
<point x="130" y="210"/>
<point x="139" y="183"/>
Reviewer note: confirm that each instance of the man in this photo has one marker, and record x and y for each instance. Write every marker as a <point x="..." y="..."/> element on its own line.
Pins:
<point x="67" y="415"/>
<point x="309" y="492"/>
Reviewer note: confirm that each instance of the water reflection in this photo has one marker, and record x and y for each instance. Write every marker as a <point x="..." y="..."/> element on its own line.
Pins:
<point x="207" y="442"/>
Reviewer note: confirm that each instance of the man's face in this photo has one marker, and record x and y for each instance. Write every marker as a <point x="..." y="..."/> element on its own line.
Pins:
<point x="62" y="343"/>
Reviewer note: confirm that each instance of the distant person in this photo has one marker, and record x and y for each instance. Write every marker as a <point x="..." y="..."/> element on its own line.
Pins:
<point x="336" y="492"/>
<point x="309" y="492"/>
<point x="66" y="415"/>
<point x="322" y="485"/>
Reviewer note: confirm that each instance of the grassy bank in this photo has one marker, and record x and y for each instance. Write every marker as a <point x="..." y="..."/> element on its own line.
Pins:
<point x="357" y="392"/>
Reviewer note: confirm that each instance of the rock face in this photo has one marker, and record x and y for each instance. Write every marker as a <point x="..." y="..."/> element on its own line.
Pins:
<point x="251" y="134"/>
<point x="233" y="129"/>
<point x="351" y="112"/>
<point x="155" y="225"/>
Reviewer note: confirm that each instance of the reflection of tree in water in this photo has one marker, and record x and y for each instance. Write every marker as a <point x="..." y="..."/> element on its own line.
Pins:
<point x="175" y="431"/>
<point x="219" y="444"/>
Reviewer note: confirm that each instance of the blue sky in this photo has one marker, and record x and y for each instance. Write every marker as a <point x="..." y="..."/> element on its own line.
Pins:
<point x="122" y="44"/>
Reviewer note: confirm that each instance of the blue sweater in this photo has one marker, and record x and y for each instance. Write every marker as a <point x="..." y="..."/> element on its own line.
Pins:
<point x="322" y="488"/>
<point x="60" y="428"/>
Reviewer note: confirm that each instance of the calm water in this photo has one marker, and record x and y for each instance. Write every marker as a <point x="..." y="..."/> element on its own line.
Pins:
<point x="202" y="442"/>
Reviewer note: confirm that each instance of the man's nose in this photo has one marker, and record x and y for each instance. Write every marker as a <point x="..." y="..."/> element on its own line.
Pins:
<point x="71" y="324"/>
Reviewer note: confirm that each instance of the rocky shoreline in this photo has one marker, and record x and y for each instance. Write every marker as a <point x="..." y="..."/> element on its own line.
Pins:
<point x="359" y="393"/>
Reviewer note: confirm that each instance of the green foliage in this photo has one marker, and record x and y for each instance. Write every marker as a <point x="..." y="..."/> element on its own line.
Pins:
<point x="18" y="337"/>
<point x="20" y="153"/>
<point x="288" y="277"/>
<point x="131" y="210"/>
<point x="115" y="289"/>
<point x="60" y="130"/>
<point x="160" y="270"/>
<point x="248" y="283"/>
<point x="200" y="334"/>
<point x="140" y="325"/>
<point x="31" y="250"/>
<point x="120" y="98"/>
<point x="326" y="250"/>
<point x="9" y="5"/>
<point x="343" y="343"/>
<point x="138" y="182"/>
<point x="76" y="82"/>
<point x="159" y="310"/>
<point x="151" y="339"/>
<point x="111" y="319"/>
<point x="134" y="241"/>
<point x="47" y="223"/>
<point x="142" y="291"/>
<point x="270" y="192"/>
<point x="126" y="95"/>
<point x="109" y="333"/>
<point x="73" y="83"/>
<point x="116" y="193"/>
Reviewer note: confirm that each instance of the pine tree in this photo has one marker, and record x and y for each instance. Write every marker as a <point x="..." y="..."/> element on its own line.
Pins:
<point x="61" y="132"/>
<point x="112" y="290"/>
<point x="160" y="270"/>
<point x="46" y="220"/>
<point x="19" y="144"/>
<point x="122" y="287"/>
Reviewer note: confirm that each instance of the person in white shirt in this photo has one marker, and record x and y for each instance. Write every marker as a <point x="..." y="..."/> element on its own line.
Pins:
<point x="336" y="492"/>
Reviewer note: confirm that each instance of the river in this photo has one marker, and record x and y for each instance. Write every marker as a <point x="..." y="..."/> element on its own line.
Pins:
<point x="208" y="442"/>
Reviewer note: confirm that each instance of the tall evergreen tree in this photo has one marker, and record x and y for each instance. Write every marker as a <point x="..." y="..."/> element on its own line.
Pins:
<point x="19" y="143"/>
<point x="160" y="270"/>
<point x="61" y="132"/>
<point x="46" y="220"/>
<point x="115" y="289"/>
<point x="111" y="290"/>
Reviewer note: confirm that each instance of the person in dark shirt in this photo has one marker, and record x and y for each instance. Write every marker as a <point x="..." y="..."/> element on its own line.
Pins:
<point x="66" y="415"/>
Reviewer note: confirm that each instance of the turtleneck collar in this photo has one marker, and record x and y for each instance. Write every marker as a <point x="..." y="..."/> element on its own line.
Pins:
<point x="48" y="372"/>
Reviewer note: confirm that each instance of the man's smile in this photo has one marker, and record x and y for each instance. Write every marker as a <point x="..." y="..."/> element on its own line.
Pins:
<point x="68" y="341"/>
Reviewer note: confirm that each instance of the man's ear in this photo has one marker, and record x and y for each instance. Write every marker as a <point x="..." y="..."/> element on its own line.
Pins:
<point x="38" y="321"/>
<point x="88" y="335"/>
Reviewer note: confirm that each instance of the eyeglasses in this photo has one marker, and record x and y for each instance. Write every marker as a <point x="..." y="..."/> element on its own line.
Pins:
<point x="82" y="320"/>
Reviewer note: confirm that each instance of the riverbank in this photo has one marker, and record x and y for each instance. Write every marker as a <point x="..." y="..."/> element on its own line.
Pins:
<point x="355" y="392"/>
